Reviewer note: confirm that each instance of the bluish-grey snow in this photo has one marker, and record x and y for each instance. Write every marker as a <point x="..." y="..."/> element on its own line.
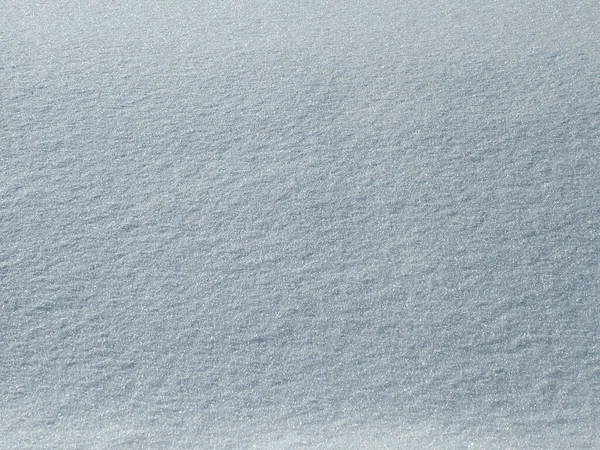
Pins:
<point x="313" y="224"/>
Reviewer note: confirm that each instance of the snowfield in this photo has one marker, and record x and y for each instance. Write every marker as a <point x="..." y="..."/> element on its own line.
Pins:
<point x="315" y="224"/>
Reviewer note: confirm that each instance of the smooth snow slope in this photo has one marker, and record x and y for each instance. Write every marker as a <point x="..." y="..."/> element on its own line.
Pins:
<point x="312" y="224"/>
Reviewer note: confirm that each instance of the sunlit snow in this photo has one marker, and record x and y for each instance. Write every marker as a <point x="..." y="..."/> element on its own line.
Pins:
<point x="311" y="224"/>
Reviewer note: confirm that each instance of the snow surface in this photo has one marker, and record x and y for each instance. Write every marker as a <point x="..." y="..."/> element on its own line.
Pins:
<point x="310" y="224"/>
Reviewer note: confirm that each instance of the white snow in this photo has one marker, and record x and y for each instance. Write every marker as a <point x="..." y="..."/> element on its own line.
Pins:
<point x="314" y="224"/>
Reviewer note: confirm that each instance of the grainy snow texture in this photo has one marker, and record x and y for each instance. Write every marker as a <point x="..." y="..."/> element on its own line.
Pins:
<point x="310" y="224"/>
